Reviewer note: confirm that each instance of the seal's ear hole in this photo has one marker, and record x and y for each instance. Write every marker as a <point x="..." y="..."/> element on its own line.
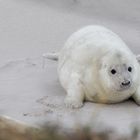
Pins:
<point x="138" y="58"/>
<point x="113" y="71"/>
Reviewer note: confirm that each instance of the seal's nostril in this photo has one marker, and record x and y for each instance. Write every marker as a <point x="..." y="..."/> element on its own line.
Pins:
<point x="126" y="83"/>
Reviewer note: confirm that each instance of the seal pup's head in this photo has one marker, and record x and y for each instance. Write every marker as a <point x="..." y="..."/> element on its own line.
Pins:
<point x="119" y="72"/>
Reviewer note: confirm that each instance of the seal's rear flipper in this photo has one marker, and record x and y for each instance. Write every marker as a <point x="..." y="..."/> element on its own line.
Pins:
<point x="51" y="56"/>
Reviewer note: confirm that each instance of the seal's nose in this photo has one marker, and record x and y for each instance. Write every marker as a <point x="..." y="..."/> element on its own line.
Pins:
<point x="126" y="83"/>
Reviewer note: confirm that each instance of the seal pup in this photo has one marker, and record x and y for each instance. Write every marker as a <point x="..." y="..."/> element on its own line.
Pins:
<point x="96" y="65"/>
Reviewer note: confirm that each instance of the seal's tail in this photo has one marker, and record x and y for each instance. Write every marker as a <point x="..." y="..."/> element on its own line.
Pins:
<point x="52" y="56"/>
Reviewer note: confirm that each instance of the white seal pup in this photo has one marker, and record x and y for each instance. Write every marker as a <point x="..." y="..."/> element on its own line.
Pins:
<point x="96" y="65"/>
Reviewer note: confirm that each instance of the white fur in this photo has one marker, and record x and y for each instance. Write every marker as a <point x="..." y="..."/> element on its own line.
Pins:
<point x="83" y="63"/>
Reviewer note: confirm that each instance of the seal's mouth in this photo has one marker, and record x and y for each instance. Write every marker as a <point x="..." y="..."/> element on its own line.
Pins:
<point x="124" y="88"/>
<point x="125" y="85"/>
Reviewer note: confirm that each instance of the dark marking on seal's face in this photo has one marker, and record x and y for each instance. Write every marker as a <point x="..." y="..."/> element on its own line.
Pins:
<point x="119" y="55"/>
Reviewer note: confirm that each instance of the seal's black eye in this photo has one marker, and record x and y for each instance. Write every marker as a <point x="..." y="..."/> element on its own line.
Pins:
<point x="113" y="71"/>
<point x="130" y="69"/>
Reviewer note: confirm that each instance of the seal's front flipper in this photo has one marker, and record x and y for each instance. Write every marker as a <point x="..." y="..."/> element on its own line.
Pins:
<point x="136" y="96"/>
<point x="75" y="93"/>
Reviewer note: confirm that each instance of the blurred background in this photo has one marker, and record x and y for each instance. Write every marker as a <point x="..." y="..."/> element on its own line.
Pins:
<point x="32" y="27"/>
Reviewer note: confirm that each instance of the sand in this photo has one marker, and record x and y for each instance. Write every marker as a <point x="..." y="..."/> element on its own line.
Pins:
<point x="32" y="93"/>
